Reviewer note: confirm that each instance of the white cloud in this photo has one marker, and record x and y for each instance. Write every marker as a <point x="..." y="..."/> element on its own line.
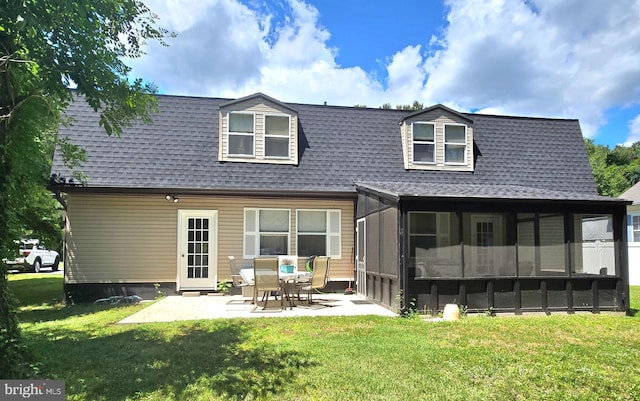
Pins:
<point x="406" y="75"/>
<point x="570" y="58"/>
<point x="219" y="46"/>
<point x="634" y="131"/>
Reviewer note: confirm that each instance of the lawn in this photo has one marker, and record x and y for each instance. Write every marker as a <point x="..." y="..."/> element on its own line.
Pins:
<point x="559" y="357"/>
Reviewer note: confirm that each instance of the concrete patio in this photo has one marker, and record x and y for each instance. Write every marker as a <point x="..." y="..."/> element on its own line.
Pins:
<point x="174" y="308"/>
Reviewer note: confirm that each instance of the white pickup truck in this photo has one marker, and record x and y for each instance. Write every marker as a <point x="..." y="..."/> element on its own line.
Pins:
<point x="34" y="256"/>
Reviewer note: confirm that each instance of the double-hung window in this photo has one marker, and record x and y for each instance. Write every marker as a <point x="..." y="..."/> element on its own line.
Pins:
<point x="277" y="136"/>
<point x="455" y="144"/>
<point x="266" y="232"/>
<point x="424" y="142"/>
<point x="635" y="228"/>
<point x="318" y="232"/>
<point x="241" y="135"/>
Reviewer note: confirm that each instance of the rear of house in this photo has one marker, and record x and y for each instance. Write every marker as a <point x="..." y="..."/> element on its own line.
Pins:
<point x="491" y="212"/>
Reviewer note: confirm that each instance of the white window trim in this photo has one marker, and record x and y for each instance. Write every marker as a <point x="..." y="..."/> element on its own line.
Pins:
<point x="257" y="233"/>
<point x="445" y="143"/>
<point x="328" y="234"/>
<point x="434" y="142"/>
<point x="632" y="236"/>
<point x="265" y="136"/>
<point x="252" y="134"/>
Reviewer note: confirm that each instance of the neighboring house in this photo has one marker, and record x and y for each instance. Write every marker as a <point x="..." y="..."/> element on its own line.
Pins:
<point x="633" y="232"/>
<point x="491" y="212"/>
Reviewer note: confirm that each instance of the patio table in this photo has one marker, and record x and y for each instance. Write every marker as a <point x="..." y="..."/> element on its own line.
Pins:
<point x="288" y="280"/>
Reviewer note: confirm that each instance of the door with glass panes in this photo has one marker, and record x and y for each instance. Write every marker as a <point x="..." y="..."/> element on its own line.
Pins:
<point x="197" y="249"/>
<point x="361" y="259"/>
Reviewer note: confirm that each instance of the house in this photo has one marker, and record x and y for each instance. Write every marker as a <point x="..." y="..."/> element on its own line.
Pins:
<point x="436" y="206"/>
<point x="633" y="232"/>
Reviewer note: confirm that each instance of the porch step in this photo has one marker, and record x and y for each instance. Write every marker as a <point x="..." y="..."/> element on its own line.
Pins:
<point x="191" y="294"/>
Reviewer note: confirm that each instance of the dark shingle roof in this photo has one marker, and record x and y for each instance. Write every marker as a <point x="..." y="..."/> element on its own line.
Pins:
<point x="338" y="145"/>
<point x="474" y="191"/>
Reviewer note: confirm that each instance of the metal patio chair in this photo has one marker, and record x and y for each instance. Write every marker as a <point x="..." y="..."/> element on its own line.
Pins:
<point x="267" y="279"/>
<point x="320" y="276"/>
<point x="239" y="281"/>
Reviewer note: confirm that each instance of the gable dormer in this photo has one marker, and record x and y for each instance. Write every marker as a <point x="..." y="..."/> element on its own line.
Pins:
<point x="437" y="138"/>
<point x="258" y="129"/>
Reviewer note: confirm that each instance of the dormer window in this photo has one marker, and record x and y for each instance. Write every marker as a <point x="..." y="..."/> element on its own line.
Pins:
<point x="424" y="142"/>
<point x="241" y="134"/>
<point x="258" y="129"/>
<point x="455" y="144"/>
<point x="277" y="136"/>
<point x="437" y="138"/>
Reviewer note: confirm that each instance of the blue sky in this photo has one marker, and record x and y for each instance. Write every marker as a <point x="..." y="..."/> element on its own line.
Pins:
<point x="548" y="58"/>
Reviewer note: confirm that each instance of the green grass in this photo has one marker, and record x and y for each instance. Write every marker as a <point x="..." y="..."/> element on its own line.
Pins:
<point x="560" y="357"/>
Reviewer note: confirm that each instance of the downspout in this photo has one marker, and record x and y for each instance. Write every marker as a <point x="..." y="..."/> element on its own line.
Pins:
<point x="60" y="198"/>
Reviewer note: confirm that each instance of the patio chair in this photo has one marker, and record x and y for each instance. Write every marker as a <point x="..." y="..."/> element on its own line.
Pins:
<point x="267" y="279"/>
<point x="320" y="276"/>
<point x="240" y="281"/>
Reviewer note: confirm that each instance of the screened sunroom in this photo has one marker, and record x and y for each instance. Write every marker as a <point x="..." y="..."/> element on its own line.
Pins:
<point x="531" y="252"/>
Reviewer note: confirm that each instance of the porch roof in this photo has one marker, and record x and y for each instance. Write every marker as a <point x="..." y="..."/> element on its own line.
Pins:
<point x="400" y="190"/>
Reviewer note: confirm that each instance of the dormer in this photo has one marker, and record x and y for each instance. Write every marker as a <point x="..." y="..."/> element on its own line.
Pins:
<point x="437" y="138"/>
<point x="258" y="129"/>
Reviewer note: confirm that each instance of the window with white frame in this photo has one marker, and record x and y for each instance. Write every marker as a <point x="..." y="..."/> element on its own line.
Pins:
<point x="266" y="232"/>
<point x="455" y="144"/>
<point x="635" y="229"/>
<point x="241" y="134"/>
<point x="318" y="232"/>
<point x="277" y="134"/>
<point x="424" y="142"/>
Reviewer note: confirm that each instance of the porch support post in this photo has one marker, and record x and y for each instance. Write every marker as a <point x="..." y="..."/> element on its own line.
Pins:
<point x="462" y="293"/>
<point x="595" y="298"/>
<point x="569" y="290"/>
<point x="517" y="301"/>
<point x="543" y="295"/>
<point x="621" y="257"/>
<point x="403" y="251"/>
<point x="490" y="297"/>
<point x="434" y="297"/>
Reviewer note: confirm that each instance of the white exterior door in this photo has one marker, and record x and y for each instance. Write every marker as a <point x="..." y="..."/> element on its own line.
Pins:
<point x="197" y="249"/>
<point x="361" y="258"/>
<point x="486" y="238"/>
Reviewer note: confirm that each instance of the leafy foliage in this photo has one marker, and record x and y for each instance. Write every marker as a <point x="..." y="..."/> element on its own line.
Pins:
<point x="416" y="105"/>
<point x="615" y="170"/>
<point x="16" y="361"/>
<point x="45" y="47"/>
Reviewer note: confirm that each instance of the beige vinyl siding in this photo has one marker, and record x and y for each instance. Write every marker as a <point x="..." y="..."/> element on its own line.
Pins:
<point x="259" y="109"/>
<point x="133" y="238"/>
<point x="404" y="132"/>
<point x="439" y="118"/>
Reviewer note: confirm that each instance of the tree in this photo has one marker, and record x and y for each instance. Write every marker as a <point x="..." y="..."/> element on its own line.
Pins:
<point x="46" y="46"/>
<point x="415" y="106"/>
<point x="614" y="170"/>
